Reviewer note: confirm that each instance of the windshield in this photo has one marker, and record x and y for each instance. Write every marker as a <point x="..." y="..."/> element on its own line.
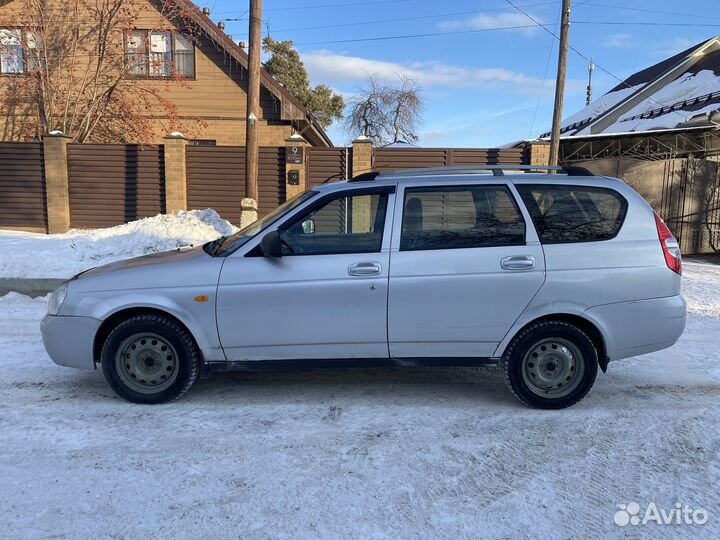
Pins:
<point x="228" y="243"/>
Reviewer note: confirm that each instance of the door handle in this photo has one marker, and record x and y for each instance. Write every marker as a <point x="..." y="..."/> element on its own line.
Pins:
<point x="517" y="262"/>
<point x="365" y="269"/>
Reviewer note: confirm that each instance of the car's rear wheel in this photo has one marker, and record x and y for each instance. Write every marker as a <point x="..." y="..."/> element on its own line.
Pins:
<point x="550" y="365"/>
<point x="150" y="359"/>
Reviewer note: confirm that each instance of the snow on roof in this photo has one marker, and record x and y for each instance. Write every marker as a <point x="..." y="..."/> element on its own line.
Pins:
<point x="677" y="93"/>
<point x="693" y="93"/>
<point x="598" y="107"/>
<point x="631" y="133"/>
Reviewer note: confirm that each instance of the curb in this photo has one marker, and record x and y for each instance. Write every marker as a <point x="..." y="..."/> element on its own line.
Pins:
<point x="32" y="287"/>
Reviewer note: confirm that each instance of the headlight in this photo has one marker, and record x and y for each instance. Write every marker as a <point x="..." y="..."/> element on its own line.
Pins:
<point x="56" y="299"/>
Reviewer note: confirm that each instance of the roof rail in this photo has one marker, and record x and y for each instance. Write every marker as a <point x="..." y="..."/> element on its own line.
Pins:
<point x="495" y="170"/>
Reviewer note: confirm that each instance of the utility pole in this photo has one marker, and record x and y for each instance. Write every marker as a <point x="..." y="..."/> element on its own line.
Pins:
<point x="560" y="82"/>
<point x="253" y="101"/>
<point x="591" y="68"/>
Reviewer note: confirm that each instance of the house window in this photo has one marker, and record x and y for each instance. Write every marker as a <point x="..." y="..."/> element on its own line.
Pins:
<point x="11" y="51"/>
<point x="159" y="54"/>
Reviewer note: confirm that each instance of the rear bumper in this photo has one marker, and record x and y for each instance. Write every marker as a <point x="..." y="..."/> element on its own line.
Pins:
<point x="69" y="340"/>
<point x="640" y="327"/>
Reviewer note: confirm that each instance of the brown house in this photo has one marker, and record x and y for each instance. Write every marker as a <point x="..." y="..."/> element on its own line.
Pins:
<point x="172" y="51"/>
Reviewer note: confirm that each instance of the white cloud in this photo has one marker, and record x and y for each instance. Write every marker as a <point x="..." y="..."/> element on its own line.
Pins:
<point x="336" y="69"/>
<point x="618" y="41"/>
<point x="485" y="22"/>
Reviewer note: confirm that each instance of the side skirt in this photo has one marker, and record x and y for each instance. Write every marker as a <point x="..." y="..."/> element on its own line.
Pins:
<point x="347" y="363"/>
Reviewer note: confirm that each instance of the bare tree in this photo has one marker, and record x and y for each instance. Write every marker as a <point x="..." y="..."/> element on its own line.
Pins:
<point x="386" y="113"/>
<point x="79" y="78"/>
<point x="406" y="105"/>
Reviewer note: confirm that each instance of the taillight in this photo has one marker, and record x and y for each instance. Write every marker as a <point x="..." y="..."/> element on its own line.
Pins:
<point x="670" y="246"/>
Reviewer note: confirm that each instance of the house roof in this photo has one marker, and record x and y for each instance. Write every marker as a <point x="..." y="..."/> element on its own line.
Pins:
<point x="290" y="107"/>
<point x="681" y="90"/>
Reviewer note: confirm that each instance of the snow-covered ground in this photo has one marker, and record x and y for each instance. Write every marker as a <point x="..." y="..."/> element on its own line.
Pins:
<point x="444" y="453"/>
<point x="30" y="255"/>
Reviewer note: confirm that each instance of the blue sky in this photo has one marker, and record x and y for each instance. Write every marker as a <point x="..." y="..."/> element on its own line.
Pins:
<point x="482" y="87"/>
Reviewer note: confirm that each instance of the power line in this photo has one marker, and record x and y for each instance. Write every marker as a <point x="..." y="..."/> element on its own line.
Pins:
<point x="646" y="23"/>
<point x="400" y="19"/>
<point x="428" y="34"/>
<point x="542" y="86"/>
<point x="323" y="6"/>
<point x="587" y="58"/>
<point x="654" y="11"/>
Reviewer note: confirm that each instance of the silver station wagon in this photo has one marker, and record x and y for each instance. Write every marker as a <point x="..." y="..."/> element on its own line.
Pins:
<point x="548" y="276"/>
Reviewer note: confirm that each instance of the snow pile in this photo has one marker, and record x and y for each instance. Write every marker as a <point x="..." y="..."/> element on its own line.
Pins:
<point x="27" y="255"/>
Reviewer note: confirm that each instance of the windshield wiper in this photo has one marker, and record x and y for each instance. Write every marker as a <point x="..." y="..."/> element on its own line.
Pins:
<point x="211" y="247"/>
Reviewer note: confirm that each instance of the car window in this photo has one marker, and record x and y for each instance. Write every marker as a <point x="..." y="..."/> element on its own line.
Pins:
<point x="574" y="213"/>
<point x="343" y="224"/>
<point x="460" y="217"/>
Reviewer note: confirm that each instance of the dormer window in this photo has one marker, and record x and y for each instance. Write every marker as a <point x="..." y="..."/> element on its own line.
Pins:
<point x="159" y="54"/>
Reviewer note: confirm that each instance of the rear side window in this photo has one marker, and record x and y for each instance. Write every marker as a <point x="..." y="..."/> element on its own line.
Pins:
<point x="574" y="213"/>
<point x="460" y="217"/>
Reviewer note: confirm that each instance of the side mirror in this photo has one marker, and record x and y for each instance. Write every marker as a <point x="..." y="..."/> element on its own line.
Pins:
<point x="270" y="245"/>
<point x="308" y="226"/>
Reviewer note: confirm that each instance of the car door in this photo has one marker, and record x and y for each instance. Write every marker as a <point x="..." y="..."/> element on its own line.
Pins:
<point x="465" y="262"/>
<point x="326" y="297"/>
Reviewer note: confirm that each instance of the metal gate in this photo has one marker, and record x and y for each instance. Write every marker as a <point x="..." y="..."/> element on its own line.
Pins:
<point x="690" y="203"/>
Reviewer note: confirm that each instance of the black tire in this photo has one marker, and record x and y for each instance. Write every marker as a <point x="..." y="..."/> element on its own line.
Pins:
<point x="517" y="358"/>
<point x="173" y="336"/>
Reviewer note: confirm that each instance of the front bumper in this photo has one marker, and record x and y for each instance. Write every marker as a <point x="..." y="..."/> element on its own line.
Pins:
<point x="69" y="340"/>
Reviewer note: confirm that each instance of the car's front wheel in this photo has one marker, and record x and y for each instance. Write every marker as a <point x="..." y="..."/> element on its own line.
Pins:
<point x="150" y="359"/>
<point x="550" y="365"/>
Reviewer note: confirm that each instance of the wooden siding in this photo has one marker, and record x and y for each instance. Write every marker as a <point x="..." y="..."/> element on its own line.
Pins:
<point x="216" y="179"/>
<point x="112" y="183"/>
<point x="328" y="164"/>
<point x="22" y="186"/>
<point x="410" y="158"/>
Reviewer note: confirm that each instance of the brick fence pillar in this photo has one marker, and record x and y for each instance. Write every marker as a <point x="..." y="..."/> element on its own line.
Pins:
<point x="175" y="173"/>
<point x="539" y="153"/>
<point x="56" y="182"/>
<point x="296" y="146"/>
<point x="249" y="212"/>
<point x="362" y="160"/>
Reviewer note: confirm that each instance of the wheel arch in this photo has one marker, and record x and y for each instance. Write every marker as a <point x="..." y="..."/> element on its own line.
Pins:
<point x="584" y="324"/>
<point x="117" y="317"/>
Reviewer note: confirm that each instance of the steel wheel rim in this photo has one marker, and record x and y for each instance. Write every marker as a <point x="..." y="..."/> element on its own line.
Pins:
<point x="147" y="363"/>
<point x="553" y="368"/>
